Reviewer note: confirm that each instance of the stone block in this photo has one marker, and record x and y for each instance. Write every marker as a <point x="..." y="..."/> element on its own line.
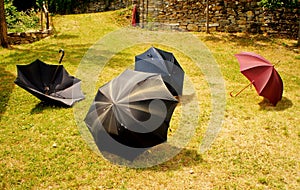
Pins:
<point x="192" y="27"/>
<point x="249" y="14"/>
<point x="213" y="25"/>
<point x="241" y="22"/>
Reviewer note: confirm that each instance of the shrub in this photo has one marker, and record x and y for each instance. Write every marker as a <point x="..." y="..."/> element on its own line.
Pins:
<point x="20" y="21"/>
<point x="272" y="4"/>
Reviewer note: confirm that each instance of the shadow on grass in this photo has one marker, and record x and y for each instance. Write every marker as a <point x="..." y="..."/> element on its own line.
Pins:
<point x="242" y="39"/>
<point x="283" y="104"/>
<point x="246" y="40"/>
<point x="161" y="157"/>
<point x="186" y="158"/>
<point x="6" y="87"/>
<point x="41" y="106"/>
<point x="186" y="98"/>
<point x="48" y="52"/>
<point x="66" y="36"/>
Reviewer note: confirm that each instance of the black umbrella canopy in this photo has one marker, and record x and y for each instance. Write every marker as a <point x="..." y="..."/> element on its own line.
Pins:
<point x="49" y="83"/>
<point x="134" y="110"/>
<point x="155" y="60"/>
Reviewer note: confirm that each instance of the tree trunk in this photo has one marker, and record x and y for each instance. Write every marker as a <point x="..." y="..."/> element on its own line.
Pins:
<point x="298" y="43"/>
<point x="207" y="16"/>
<point x="3" y="27"/>
<point x="107" y="4"/>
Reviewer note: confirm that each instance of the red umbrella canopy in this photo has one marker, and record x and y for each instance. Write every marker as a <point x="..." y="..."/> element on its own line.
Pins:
<point x="262" y="74"/>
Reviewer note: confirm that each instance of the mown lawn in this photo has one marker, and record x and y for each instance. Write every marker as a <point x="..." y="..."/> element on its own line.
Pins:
<point x="257" y="147"/>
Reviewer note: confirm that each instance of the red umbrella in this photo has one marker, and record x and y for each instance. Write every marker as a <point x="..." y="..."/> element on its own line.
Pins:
<point x="262" y="74"/>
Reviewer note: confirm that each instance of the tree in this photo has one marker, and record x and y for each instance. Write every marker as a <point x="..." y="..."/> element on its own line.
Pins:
<point x="3" y="27"/>
<point x="298" y="43"/>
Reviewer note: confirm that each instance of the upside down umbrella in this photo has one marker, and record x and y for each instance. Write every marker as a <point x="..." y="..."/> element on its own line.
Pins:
<point x="132" y="110"/>
<point x="49" y="83"/>
<point x="262" y="74"/>
<point x="155" y="60"/>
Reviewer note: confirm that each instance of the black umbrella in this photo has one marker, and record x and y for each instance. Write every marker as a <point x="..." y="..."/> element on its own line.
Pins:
<point x="49" y="83"/>
<point x="155" y="60"/>
<point x="133" y="110"/>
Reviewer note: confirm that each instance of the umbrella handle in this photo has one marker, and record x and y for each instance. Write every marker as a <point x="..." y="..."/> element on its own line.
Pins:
<point x="54" y="75"/>
<point x="235" y="95"/>
<point x="62" y="55"/>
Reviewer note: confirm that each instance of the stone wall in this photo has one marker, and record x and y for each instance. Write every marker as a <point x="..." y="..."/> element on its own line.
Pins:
<point x="224" y="16"/>
<point x="102" y="5"/>
<point x="27" y="37"/>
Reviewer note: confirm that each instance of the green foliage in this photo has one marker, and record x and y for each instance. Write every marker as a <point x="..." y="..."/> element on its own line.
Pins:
<point x="272" y="4"/>
<point x="20" y="21"/>
<point x="24" y="5"/>
<point x="63" y="6"/>
<point x="68" y="6"/>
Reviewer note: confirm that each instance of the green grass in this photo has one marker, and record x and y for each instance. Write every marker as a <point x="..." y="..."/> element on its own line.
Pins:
<point x="257" y="148"/>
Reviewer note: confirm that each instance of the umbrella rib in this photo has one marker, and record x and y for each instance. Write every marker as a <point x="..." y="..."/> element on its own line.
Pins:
<point x="161" y="59"/>
<point x="255" y="66"/>
<point x="266" y="81"/>
<point x="275" y="96"/>
<point x="139" y="96"/>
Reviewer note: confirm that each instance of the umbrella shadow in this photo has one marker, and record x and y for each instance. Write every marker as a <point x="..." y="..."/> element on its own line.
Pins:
<point x="283" y="104"/>
<point x="186" y="98"/>
<point x="185" y="158"/>
<point x="157" y="158"/>
<point x="41" y="106"/>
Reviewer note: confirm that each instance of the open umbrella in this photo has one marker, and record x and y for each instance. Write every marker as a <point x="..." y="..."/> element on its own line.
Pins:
<point x="134" y="110"/>
<point x="262" y="74"/>
<point x="49" y="83"/>
<point x="155" y="60"/>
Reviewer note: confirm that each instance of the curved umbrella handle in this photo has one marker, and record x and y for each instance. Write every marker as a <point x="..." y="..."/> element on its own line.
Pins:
<point x="55" y="72"/>
<point x="235" y="95"/>
<point x="62" y="55"/>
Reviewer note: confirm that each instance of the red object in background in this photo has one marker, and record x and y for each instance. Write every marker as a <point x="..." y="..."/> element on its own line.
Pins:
<point x="262" y="74"/>
<point x="134" y="15"/>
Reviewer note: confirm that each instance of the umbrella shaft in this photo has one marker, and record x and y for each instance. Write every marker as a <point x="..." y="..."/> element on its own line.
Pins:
<point x="235" y="95"/>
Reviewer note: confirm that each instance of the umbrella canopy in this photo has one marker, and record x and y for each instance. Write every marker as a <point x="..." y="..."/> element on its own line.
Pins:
<point x="155" y="60"/>
<point x="262" y="74"/>
<point x="49" y="83"/>
<point x="134" y="109"/>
